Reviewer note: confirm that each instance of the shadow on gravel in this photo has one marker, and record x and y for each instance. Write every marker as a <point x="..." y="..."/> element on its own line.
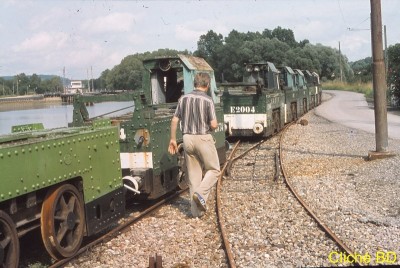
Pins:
<point x="183" y="205"/>
<point x="33" y="253"/>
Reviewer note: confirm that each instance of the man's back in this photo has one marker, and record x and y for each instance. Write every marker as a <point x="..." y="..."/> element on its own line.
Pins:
<point x="195" y="110"/>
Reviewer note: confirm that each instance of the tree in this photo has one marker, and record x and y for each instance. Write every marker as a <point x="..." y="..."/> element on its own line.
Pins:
<point x="208" y="45"/>
<point x="21" y="82"/>
<point x="53" y="85"/>
<point x="128" y="74"/>
<point x="101" y="82"/>
<point x="362" y="70"/>
<point x="393" y="80"/>
<point x="285" y="36"/>
<point x="34" y="83"/>
<point x="228" y="55"/>
<point x="5" y="88"/>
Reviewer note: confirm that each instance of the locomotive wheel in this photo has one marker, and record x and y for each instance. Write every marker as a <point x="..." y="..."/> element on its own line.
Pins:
<point x="304" y="106"/>
<point x="293" y="109"/>
<point x="312" y="102"/>
<point x="277" y="121"/>
<point x="62" y="221"/>
<point x="9" y="243"/>
<point x="181" y="178"/>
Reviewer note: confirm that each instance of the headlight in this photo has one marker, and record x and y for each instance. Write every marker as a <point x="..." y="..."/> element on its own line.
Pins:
<point x="258" y="128"/>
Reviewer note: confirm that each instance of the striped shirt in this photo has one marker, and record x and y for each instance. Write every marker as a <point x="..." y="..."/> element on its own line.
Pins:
<point x="195" y="110"/>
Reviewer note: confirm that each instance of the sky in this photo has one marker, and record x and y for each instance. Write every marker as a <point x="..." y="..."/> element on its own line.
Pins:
<point x="84" y="38"/>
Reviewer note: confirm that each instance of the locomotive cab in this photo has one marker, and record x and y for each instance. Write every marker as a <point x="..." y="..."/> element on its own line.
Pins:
<point x="318" y="88"/>
<point x="252" y="107"/>
<point x="263" y="73"/>
<point x="303" y="91"/>
<point x="147" y="166"/>
<point x="313" y="93"/>
<point x="290" y="88"/>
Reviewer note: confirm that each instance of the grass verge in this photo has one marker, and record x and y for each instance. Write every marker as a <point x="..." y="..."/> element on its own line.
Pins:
<point x="364" y="88"/>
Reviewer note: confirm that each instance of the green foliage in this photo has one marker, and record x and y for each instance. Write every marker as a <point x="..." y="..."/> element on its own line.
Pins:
<point x="284" y="35"/>
<point x="209" y="44"/>
<point x="228" y="54"/>
<point x="362" y="70"/>
<point x="22" y="84"/>
<point x="52" y="85"/>
<point x="128" y="74"/>
<point x="394" y="73"/>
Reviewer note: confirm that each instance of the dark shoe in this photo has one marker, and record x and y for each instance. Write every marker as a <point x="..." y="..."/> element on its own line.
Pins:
<point x="199" y="200"/>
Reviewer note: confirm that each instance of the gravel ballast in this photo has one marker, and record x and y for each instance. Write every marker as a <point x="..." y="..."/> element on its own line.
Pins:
<point x="327" y="163"/>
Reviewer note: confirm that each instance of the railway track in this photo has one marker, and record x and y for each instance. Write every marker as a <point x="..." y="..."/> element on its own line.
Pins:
<point x="260" y="220"/>
<point x="261" y="215"/>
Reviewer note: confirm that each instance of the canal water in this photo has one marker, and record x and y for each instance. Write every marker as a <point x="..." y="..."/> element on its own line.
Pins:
<point x="52" y="115"/>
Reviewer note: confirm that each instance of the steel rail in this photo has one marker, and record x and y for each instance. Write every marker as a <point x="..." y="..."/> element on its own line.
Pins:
<point x="225" y="239"/>
<point x="120" y="228"/>
<point x="226" y="168"/>
<point x="307" y="208"/>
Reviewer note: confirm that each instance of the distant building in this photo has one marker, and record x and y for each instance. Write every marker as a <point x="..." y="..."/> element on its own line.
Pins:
<point x="75" y="87"/>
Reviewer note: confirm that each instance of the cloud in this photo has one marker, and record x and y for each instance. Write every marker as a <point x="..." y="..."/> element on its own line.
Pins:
<point x="356" y="46"/>
<point x="80" y="34"/>
<point x="191" y="31"/>
<point x="316" y="27"/>
<point x="115" y="22"/>
<point x="54" y="16"/>
<point x="42" y="41"/>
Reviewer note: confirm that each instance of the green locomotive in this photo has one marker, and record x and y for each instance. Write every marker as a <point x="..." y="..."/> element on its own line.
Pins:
<point x="314" y="88"/>
<point x="254" y="107"/>
<point x="71" y="182"/>
<point x="266" y="100"/>
<point x="65" y="181"/>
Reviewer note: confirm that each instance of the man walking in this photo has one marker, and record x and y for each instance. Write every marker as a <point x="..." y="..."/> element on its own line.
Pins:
<point x="198" y="119"/>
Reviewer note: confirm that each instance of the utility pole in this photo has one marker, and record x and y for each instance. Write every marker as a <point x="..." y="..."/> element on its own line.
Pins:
<point x="3" y="83"/>
<point x="64" y="85"/>
<point x="88" y="81"/>
<point x="379" y="84"/>
<point x="386" y="55"/>
<point x="340" y="64"/>
<point x="91" y="74"/>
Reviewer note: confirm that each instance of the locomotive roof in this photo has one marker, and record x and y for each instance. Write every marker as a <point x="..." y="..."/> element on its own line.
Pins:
<point x="308" y="72"/>
<point x="191" y="62"/>
<point x="288" y="69"/>
<point x="272" y="67"/>
<point x="300" y="72"/>
<point x="195" y="63"/>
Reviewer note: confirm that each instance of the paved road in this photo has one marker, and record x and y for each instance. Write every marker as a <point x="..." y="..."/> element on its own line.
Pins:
<point x="351" y="109"/>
